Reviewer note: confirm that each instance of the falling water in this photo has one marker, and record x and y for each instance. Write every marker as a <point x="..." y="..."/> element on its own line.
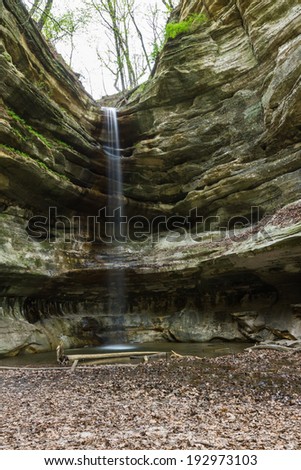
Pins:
<point x="111" y="146"/>
<point x="114" y="173"/>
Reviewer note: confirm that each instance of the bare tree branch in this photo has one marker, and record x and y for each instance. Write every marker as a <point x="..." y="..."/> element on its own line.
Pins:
<point x="140" y="35"/>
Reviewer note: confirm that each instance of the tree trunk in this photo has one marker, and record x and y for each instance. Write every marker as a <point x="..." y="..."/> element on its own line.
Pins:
<point x="34" y="7"/>
<point x="168" y="4"/>
<point x="141" y="40"/>
<point x="45" y="14"/>
<point x="126" y="52"/>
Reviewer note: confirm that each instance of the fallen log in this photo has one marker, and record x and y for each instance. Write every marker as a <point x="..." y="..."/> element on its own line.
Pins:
<point x="74" y="365"/>
<point x="75" y="358"/>
<point x="275" y="347"/>
<point x="130" y="359"/>
<point x="175" y="354"/>
<point x="31" y="368"/>
<point x="78" y="357"/>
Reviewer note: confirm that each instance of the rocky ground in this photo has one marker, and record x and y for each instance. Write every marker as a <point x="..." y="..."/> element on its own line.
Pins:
<point x="246" y="401"/>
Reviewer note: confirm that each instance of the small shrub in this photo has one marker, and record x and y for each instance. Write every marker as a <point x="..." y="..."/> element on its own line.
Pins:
<point x="157" y="48"/>
<point x="172" y="30"/>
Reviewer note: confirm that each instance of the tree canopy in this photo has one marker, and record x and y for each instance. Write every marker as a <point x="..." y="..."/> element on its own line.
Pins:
<point x="125" y="35"/>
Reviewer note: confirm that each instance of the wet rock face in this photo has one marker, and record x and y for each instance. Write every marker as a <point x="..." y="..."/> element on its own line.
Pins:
<point x="49" y="126"/>
<point x="224" y="103"/>
<point x="212" y="138"/>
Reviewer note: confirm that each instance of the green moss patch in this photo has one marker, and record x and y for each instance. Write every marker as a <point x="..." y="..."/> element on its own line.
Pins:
<point x="172" y="30"/>
<point x="33" y="160"/>
<point x="32" y="131"/>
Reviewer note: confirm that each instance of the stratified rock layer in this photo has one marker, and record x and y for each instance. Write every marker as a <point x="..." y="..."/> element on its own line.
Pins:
<point x="212" y="138"/>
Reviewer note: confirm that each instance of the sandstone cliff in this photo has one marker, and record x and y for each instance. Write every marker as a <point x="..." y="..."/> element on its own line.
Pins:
<point x="212" y="138"/>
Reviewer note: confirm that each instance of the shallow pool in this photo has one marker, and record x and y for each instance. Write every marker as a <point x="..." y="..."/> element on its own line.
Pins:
<point x="212" y="349"/>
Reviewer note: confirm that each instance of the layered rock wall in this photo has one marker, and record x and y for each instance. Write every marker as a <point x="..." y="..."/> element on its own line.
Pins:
<point x="212" y="138"/>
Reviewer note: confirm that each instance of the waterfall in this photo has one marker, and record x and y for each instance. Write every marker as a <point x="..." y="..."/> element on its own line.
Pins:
<point x="114" y="172"/>
<point x="115" y="277"/>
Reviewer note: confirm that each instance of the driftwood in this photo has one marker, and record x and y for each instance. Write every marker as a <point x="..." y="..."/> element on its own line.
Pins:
<point x="275" y="347"/>
<point x="75" y="358"/>
<point x="175" y="354"/>
<point x="74" y="365"/>
<point x="130" y="359"/>
<point x="78" y="357"/>
<point x="31" y="368"/>
<point x="61" y="358"/>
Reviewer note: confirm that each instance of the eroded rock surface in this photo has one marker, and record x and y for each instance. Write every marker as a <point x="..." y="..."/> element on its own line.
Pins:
<point x="213" y="137"/>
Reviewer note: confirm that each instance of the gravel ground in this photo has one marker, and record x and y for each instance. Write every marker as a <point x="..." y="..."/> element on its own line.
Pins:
<point x="251" y="400"/>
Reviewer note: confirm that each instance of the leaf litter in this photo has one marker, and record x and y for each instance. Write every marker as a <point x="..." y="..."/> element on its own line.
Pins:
<point x="250" y="400"/>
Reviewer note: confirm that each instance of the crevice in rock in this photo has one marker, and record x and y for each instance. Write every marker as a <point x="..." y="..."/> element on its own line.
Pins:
<point x="245" y="27"/>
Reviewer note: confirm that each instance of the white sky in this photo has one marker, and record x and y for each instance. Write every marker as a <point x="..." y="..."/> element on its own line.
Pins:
<point x="96" y="79"/>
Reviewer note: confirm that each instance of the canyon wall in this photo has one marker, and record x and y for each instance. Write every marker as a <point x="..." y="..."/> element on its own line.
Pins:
<point x="211" y="169"/>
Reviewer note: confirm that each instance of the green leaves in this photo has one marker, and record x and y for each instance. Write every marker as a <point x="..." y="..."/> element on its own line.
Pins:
<point x="172" y="30"/>
<point x="64" y="26"/>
